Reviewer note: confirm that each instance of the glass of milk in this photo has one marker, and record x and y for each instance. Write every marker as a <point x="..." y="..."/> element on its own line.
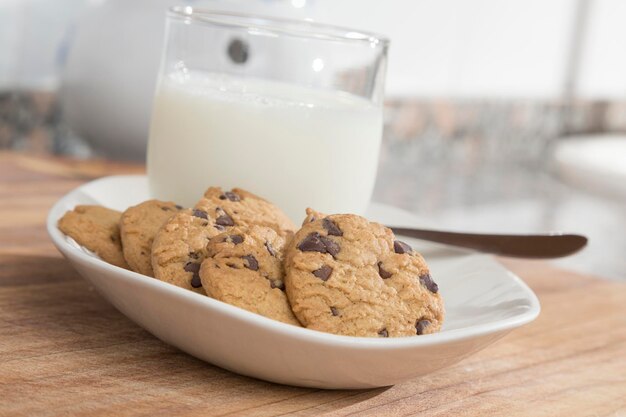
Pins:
<point x="289" y="110"/>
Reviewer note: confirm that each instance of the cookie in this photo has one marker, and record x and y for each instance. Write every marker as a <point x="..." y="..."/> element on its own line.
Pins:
<point x="97" y="229"/>
<point x="312" y="215"/>
<point x="244" y="268"/>
<point x="242" y="208"/>
<point x="349" y="276"/>
<point x="138" y="226"/>
<point x="180" y="246"/>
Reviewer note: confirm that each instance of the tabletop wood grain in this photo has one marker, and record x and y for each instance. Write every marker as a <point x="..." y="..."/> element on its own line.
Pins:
<point x="65" y="351"/>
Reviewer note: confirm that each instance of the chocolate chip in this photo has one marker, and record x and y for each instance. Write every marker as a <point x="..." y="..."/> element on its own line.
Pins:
<point x="252" y="263"/>
<point x="236" y="239"/>
<point x="332" y="247"/>
<point x="331" y="227"/>
<point x="334" y="311"/>
<point x="192" y="267"/>
<point x="383" y="274"/>
<point x="421" y="325"/>
<point x="277" y="283"/>
<point x="428" y="282"/>
<point x="383" y="332"/>
<point x="312" y="243"/>
<point x="195" y="281"/>
<point x="401" y="247"/>
<point x="323" y="273"/>
<point x="224" y="220"/>
<point x="316" y="243"/>
<point x="179" y="207"/>
<point x="200" y="213"/>
<point x="218" y="227"/>
<point x="270" y="248"/>
<point x="230" y="195"/>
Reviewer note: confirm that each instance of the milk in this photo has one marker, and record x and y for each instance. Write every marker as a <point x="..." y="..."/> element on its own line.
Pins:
<point x="295" y="146"/>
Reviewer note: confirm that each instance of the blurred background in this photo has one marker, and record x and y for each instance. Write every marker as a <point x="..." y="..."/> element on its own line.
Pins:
<point x="501" y="115"/>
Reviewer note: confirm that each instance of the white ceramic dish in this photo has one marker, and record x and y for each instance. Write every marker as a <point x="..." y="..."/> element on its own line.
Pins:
<point x="483" y="300"/>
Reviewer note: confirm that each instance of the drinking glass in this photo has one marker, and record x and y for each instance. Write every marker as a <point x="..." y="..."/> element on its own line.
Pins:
<point x="289" y="110"/>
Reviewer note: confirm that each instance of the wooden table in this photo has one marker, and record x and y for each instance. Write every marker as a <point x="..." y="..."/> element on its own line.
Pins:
<point x="65" y="351"/>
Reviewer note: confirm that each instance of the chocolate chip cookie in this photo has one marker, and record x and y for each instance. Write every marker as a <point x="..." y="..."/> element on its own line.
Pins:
<point x="138" y="226"/>
<point x="349" y="276"/>
<point x="180" y="246"/>
<point x="97" y="229"/>
<point x="244" y="268"/>
<point x="312" y="215"/>
<point x="242" y="208"/>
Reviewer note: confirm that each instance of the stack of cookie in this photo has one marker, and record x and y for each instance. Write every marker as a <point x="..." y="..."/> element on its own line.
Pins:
<point x="339" y="273"/>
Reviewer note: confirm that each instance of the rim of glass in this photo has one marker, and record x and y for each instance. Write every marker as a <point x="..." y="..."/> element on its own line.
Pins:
<point x="275" y="25"/>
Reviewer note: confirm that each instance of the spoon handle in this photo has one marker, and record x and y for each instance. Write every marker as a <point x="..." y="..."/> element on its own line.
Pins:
<point x="522" y="246"/>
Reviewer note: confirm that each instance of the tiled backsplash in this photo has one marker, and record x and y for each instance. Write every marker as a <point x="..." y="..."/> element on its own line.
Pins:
<point x="464" y="129"/>
<point x="473" y="131"/>
<point x="517" y="130"/>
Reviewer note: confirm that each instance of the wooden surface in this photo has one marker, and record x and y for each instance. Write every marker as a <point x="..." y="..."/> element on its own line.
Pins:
<point x="65" y="351"/>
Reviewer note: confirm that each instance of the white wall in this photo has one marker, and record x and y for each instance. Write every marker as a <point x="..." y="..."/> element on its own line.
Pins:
<point x="32" y="36"/>
<point x="603" y="69"/>
<point x="475" y="48"/>
<point x="465" y="47"/>
<point x="9" y="40"/>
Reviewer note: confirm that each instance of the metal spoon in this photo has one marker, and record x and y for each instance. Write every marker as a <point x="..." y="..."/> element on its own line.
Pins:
<point x="552" y="245"/>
